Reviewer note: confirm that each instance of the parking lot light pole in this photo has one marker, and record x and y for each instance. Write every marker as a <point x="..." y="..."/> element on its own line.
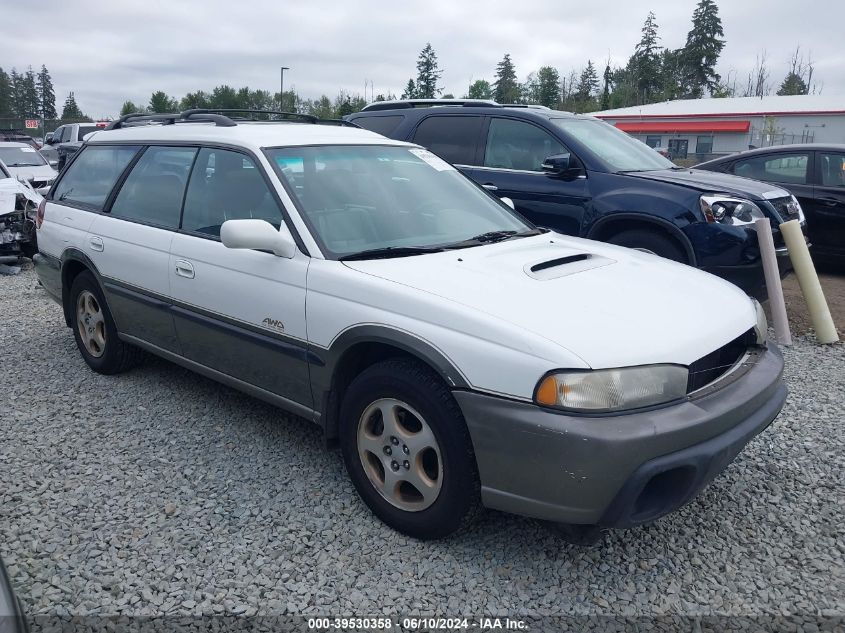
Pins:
<point x="282" y="92"/>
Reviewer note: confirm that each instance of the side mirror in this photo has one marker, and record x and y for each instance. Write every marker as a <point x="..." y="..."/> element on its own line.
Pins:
<point x="53" y="162"/>
<point x="558" y="164"/>
<point x="508" y="202"/>
<point x="258" y="235"/>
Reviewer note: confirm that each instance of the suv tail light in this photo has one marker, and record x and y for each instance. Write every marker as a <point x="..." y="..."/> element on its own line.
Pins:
<point x="39" y="215"/>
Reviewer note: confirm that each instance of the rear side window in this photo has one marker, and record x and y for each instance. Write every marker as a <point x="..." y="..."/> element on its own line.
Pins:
<point x="91" y="177"/>
<point x="86" y="129"/>
<point x="452" y="138"/>
<point x="226" y="185"/>
<point x="518" y="145"/>
<point x="153" y="191"/>
<point x="785" y="168"/>
<point x="832" y="169"/>
<point x="384" y="125"/>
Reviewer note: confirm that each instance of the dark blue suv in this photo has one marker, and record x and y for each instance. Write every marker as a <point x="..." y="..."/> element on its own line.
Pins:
<point x="580" y="176"/>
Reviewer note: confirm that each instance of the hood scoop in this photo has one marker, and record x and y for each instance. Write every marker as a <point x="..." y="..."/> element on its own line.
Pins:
<point x="563" y="266"/>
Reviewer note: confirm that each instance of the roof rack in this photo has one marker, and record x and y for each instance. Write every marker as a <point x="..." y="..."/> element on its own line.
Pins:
<point x="530" y="106"/>
<point x="217" y="116"/>
<point x="427" y="103"/>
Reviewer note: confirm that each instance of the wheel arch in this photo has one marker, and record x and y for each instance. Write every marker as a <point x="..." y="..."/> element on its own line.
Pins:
<point x="616" y="223"/>
<point x="362" y="346"/>
<point x="74" y="262"/>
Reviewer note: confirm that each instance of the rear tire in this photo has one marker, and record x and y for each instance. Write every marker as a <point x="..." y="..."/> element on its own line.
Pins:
<point x="651" y="241"/>
<point x="94" y="329"/>
<point x="407" y="450"/>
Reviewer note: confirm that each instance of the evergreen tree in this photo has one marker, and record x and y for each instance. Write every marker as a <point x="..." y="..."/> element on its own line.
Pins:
<point x="671" y="74"/>
<point x="588" y="85"/>
<point x="71" y="111"/>
<point x="604" y="102"/>
<point x="646" y="61"/>
<point x="46" y="94"/>
<point x="410" y="90"/>
<point x="506" y="89"/>
<point x="129" y="108"/>
<point x="793" y="84"/>
<point x="28" y="96"/>
<point x="428" y="74"/>
<point x="702" y="50"/>
<point x="16" y="93"/>
<point x="161" y="103"/>
<point x="480" y="89"/>
<point x="548" y="86"/>
<point x="5" y="95"/>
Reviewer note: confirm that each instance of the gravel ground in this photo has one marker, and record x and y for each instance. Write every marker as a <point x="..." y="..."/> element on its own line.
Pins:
<point x="833" y="286"/>
<point x="159" y="491"/>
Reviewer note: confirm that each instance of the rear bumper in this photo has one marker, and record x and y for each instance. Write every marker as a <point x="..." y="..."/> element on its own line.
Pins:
<point x="49" y="271"/>
<point x="617" y="470"/>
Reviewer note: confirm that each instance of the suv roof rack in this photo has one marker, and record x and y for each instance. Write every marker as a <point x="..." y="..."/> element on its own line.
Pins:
<point x="219" y="117"/>
<point x="428" y="103"/>
<point x="530" y="106"/>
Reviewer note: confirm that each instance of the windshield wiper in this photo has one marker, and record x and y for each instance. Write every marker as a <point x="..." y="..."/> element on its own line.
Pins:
<point x="494" y="236"/>
<point x="390" y="251"/>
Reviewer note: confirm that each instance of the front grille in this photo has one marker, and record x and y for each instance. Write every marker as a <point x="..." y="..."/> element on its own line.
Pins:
<point x="711" y="367"/>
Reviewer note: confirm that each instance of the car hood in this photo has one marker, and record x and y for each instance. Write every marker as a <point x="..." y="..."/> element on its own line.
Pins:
<point x="610" y="306"/>
<point x="37" y="172"/>
<point x="715" y="182"/>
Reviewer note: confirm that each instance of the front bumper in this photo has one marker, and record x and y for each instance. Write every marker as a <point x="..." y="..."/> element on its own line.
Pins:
<point x="617" y="470"/>
<point x="750" y="277"/>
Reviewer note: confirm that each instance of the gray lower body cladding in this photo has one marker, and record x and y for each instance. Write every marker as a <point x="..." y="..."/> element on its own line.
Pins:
<point x="616" y="470"/>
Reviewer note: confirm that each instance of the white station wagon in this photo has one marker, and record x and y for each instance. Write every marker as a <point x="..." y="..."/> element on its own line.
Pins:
<point x="459" y="355"/>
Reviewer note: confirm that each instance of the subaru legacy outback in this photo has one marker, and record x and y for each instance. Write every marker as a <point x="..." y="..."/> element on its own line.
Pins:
<point x="460" y="356"/>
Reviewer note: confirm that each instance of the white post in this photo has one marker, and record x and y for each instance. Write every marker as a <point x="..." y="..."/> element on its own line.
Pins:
<point x="809" y="282"/>
<point x="773" y="287"/>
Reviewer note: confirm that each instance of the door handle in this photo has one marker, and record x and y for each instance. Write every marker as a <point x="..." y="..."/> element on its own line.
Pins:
<point x="490" y="186"/>
<point x="184" y="268"/>
<point x="829" y="202"/>
<point x="96" y="243"/>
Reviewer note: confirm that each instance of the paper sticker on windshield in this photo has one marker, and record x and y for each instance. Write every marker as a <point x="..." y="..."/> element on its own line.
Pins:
<point x="27" y="149"/>
<point x="435" y="161"/>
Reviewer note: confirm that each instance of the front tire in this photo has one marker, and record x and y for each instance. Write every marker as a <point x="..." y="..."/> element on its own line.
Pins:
<point x="407" y="450"/>
<point x="94" y="329"/>
<point x="651" y="242"/>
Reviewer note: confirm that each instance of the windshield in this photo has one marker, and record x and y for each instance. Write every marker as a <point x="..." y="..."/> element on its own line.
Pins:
<point x="613" y="146"/>
<point x="362" y="198"/>
<point x="21" y="157"/>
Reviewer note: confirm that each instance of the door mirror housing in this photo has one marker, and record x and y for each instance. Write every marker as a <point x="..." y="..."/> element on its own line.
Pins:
<point x="509" y="202"/>
<point x="258" y="235"/>
<point x="561" y="166"/>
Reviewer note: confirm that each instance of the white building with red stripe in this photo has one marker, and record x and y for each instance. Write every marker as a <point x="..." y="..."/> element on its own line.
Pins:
<point x="700" y="129"/>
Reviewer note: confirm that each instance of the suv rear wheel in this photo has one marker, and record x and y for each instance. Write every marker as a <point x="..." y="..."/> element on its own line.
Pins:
<point x="650" y="242"/>
<point x="407" y="449"/>
<point x="94" y="330"/>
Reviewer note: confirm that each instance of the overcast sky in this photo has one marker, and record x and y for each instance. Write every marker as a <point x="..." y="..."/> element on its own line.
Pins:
<point x="107" y="52"/>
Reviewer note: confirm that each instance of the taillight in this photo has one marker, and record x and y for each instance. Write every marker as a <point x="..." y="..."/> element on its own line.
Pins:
<point x="39" y="215"/>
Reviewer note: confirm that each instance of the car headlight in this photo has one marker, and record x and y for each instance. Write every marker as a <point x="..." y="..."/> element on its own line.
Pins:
<point x="793" y="207"/>
<point x="612" y="389"/>
<point x="761" y="328"/>
<point x="728" y="210"/>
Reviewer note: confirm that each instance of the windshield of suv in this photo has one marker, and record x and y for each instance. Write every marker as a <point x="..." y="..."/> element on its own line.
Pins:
<point x="613" y="146"/>
<point x="365" y="198"/>
<point x="21" y="157"/>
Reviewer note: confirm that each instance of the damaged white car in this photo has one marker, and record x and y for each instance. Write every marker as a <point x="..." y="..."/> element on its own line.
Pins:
<point x="18" y="206"/>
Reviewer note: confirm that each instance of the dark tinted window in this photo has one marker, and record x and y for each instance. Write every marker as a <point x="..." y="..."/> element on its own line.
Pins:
<point x="90" y="178"/>
<point x="518" y="145"/>
<point x="153" y="190"/>
<point x="452" y="138"/>
<point x="704" y="145"/>
<point x="226" y="186"/>
<point x="86" y="129"/>
<point x="380" y="124"/>
<point x="786" y="168"/>
<point x="66" y="132"/>
<point x="832" y="169"/>
<point x="653" y="141"/>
